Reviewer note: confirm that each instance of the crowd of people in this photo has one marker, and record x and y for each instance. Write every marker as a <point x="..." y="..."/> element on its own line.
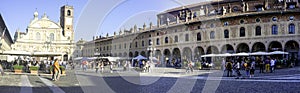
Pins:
<point x="248" y="65"/>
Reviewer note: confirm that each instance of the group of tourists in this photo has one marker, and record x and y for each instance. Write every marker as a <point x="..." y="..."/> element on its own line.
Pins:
<point x="232" y="65"/>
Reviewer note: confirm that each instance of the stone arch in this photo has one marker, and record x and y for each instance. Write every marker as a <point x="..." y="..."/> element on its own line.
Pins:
<point x="187" y="53"/>
<point x="227" y="49"/>
<point x="258" y="46"/>
<point x="158" y="55"/>
<point x="143" y="53"/>
<point x="293" y="48"/>
<point x="176" y="53"/>
<point x="136" y="53"/>
<point x="198" y="52"/>
<point x="167" y="56"/>
<point x="242" y="47"/>
<point x="212" y="50"/>
<point x="274" y="46"/>
<point x="130" y="54"/>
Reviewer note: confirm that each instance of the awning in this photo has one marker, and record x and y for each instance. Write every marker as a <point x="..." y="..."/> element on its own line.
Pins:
<point x="47" y="54"/>
<point x="241" y="54"/>
<point x="15" y="52"/>
<point x="259" y="53"/>
<point x="278" y="53"/>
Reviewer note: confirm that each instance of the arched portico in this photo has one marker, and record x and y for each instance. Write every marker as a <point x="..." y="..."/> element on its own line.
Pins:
<point x="227" y="49"/>
<point x="258" y="46"/>
<point x="242" y="47"/>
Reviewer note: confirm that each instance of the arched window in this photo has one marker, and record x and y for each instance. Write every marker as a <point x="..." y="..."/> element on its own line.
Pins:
<point x="257" y="30"/>
<point x="198" y="36"/>
<point x="291" y="29"/>
<point x="38" y="36"/>
<point x="136" y="44"/>
<point x="274" y="29"/>
<point x="157" y="41"/>
<point x="212" y="35"/>
<point x="176" y="39"/>
<point x="150" y="42"/>
<point x="186" y="37"/>
<point x="226" y="33"/>
<point x="69" y="13"/>
<point x="242" y="32"/>
<point x="166" y="40"/>
<point x="142" y="43"/>
<point x="51" y="36"/>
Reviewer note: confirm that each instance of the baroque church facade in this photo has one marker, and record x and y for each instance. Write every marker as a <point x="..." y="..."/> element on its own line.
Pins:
<point x="45" y="38"/>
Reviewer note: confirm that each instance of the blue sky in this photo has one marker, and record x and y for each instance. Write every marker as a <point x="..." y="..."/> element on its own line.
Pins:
<point x="91" y="17"/>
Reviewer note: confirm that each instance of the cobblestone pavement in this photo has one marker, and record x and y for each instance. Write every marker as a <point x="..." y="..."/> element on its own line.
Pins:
<point x="159" y="80"/>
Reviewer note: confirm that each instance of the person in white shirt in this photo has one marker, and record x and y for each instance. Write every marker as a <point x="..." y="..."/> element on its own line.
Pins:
<point x="272" y="63"/>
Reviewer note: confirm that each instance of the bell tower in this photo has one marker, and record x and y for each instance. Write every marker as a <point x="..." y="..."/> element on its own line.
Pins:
<point x="66" y="21"/>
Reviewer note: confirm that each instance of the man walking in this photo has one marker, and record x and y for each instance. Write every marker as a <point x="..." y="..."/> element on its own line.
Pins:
<point x="56" y="70"/>
<point x="272" y="63"/>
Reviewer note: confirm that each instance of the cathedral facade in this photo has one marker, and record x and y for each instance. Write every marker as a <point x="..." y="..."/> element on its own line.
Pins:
<point x="45" y="38"/>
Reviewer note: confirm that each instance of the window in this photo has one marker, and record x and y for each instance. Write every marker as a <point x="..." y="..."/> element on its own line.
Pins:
<point x="186" y="37"/>
<point x="125" y="46"/>
<point x="291" y="17"/>
<point x="51" y="36"/>
<point x="115" y="47"/>
<point x="150" y="42"/>
<point x="157" y="41"/>
<point x="142" y="43"/>
<point x="242" y="21"/>
<point x="166" y="40"/>
<point x="235" y="9"/>
<point x="198" y="36"/>
<point x="150" y="35"/>
<point x="242" y="32"/>
<point x="69" y="13"/>
<point x="226" y="33"/>
<point x="257" y="20"/>
<point x="136" y="44"/>
<point x="130" y="45"/>
<point x="226" y="23"/>
<point x="176" y="39"/>
<point x="274" y="19"/>
<point x="157" y="33"/>
<point x="212" y="35"/>
<point x="103" y="48"/>
<point x="291" y="29"/>
<point x="274" y="29"/>
<point x="257" y="30"/>
<point x="38" y="36"/>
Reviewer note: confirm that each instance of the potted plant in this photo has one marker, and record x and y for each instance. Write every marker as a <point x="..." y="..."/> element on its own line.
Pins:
<point x="18" y="68"/>
<point x="34" y="69"/>
<point x="198" y="65"/>
<point x="62" y="69"/>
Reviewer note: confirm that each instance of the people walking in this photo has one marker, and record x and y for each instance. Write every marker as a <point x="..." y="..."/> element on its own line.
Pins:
<point x="237" y="68"/>
<point x="97" y="66"/>
<point x="261" y="65"/>
<point x="272" y="64"/>
<point x="252" y="69"/>
<point x="229" y="68"/>
<point x="56" y="70"/>
<point x="267" y="65"/>
<point x="190" y="66"/>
